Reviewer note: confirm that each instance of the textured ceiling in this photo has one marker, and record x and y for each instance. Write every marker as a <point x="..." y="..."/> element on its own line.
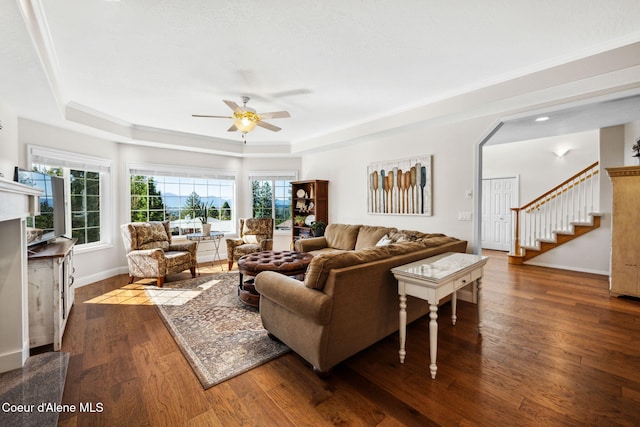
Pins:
<point x="331" y="64"/>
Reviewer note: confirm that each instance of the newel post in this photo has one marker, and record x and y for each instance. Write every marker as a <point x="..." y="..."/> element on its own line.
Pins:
<point x="516" y="231"/>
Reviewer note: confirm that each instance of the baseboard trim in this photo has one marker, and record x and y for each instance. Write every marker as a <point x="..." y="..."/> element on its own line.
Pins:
<point x="102" y="275"/>
<point x="13" y="360"/>
<point x="568" y="268"/>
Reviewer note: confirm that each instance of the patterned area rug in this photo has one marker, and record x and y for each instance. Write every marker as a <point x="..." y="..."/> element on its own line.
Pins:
<point x="218" y="334"/>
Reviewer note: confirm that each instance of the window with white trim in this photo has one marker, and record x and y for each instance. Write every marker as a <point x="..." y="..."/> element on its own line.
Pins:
<point x="86" y="191"/>
<point x="271" y="196"/>
<point x="167" y="193"/>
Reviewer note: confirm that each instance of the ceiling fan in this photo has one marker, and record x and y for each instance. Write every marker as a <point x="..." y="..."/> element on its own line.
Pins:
<point x="245" y="119"/>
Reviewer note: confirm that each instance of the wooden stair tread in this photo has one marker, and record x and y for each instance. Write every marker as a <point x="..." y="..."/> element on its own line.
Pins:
<point x="545" y="244"/>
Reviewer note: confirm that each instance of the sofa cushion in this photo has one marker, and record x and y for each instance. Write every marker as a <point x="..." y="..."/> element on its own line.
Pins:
<point x="323" y="263"/>
<point x="341" y="236"/>
<point x="151" y="235"/>
<point x="369" y="236"/>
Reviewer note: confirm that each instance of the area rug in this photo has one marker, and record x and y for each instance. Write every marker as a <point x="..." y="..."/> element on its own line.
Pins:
<point x="219" y="335"/>
<point x="32" y="395"/>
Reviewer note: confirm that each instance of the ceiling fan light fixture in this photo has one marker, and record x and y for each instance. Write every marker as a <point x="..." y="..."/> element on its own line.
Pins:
<point x="245" y="121"/>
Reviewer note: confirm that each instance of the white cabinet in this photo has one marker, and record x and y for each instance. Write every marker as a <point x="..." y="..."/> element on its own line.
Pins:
<point x="51" y="293"/>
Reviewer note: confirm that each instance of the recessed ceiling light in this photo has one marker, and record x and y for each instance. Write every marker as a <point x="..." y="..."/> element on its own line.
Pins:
<point x="542" y="119"/>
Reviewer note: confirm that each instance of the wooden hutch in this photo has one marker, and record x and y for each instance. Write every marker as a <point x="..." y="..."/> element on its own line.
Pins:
<point x="625" y="245"/>
<point x="309" y="201"/>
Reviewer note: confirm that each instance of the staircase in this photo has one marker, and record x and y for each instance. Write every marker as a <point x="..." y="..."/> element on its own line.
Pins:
<point x="560" y="215"/>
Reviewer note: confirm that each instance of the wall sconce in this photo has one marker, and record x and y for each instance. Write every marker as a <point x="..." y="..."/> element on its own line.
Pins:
<point x="560" y="152"/>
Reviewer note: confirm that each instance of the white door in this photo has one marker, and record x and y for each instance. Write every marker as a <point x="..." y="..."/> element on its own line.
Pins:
<point x="499" y="195"/>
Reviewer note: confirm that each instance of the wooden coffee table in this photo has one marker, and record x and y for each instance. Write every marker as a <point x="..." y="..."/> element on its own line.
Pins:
<point x="290" y="263"/>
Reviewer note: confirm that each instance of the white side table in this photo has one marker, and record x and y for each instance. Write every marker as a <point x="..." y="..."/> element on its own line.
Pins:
<point x="432" y="279"/>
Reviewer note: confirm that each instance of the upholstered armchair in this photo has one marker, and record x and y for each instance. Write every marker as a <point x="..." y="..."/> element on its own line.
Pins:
<point x="256" y="234"/>
<point x="150" y="252"/>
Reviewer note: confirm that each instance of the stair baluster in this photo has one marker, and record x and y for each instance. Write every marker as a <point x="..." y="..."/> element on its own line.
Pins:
<point x="561" y="211"/>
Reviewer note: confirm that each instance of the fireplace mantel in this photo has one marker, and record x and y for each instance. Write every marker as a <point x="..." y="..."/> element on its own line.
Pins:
<point x="17" y="202"/>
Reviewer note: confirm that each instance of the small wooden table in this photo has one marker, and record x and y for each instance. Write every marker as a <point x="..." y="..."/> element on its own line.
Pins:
<point x="432" y="279"/>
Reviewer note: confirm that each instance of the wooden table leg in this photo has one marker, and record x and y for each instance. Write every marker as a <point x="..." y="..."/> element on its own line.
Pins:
<point x="454" y="305"/>
<point x="403" y="326"/>
<point x="433" y="338"/>
<point x="479" y="281"/>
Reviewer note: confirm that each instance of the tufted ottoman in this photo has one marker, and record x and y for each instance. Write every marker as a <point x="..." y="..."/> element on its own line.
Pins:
<point x="291" y="263"/>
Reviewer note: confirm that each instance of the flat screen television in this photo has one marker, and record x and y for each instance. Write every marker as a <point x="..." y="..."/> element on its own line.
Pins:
<point x="51" y="221"/>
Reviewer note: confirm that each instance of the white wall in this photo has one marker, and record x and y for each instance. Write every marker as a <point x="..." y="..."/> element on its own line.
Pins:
<point x="451" y="147"/>
<point x="98" y="263"/>
<point x="8" y="141"/>
<point x="535" y="163"/>
<point x="539" y="170"/>
<point x="632" y="134"/>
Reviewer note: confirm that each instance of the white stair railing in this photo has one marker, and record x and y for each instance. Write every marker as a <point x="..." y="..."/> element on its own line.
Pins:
<point x="557" y="210"/>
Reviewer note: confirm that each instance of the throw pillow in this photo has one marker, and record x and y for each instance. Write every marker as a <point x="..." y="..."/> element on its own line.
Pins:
<point x="369" y="235"/>
<point x="384" y="241"/>
<point x="250" y="238"/>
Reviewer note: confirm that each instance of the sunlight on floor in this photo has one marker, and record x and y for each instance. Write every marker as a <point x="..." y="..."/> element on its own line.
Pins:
<point x="145" y="292"/>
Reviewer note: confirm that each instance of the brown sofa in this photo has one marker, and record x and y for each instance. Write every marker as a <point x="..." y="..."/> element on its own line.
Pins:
<point x="349" y="297"/>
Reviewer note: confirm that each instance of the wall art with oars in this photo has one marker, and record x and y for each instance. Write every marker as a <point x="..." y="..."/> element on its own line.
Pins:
<point x="400" y="187"/>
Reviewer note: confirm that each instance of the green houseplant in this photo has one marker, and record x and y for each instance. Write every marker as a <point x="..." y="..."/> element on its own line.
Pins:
<point x="298" y="220"/>
<point x="201" y="211"/>
<point x="318" y="228"/>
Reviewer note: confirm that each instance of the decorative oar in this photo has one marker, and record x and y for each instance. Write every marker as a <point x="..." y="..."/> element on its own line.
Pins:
<point x="407" y="183"/>
<point x="400" y="191"/>
<point x="394" y="190"/>
<point x="383" y="203"/>
<point x="370" y="178"/>
<point x="413" y="189"/>
<point x="375" y="192"/>
<point x="423" y="183"/>
<point x="416" y="208"/>
<point x="391" y="190"/>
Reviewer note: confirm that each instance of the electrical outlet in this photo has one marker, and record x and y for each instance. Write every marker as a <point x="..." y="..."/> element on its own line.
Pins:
<point x="464" y="216"/>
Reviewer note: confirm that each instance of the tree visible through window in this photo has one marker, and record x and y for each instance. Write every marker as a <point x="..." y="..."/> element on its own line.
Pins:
<point x="85" y="199"/>
<point x="160" y="198"/>
<point x="272" y="199"/>
<point x="85" y="205"/>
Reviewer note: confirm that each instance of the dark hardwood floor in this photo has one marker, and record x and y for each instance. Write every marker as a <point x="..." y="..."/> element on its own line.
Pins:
<point x="557" y="350"/>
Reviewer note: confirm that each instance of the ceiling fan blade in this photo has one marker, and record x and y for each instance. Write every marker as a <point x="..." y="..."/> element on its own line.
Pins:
<point x="275" y="115"/>
<point x="268" y="126"/>
<point x="233" y="128"/>
<point x="235" y="107"/>
<point x="215" y="117"/>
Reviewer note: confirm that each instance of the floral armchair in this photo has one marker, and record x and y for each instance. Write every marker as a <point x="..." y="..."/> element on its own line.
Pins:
<point x="150" y="252"/>
<point x="256" y="234"/>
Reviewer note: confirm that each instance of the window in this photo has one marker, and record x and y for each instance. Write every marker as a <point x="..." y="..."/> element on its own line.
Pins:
<point x="86" y="187"/>
<point x="85" y="205"/>
<point x="160" y="193"/>
<point x="271" y="197"/>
